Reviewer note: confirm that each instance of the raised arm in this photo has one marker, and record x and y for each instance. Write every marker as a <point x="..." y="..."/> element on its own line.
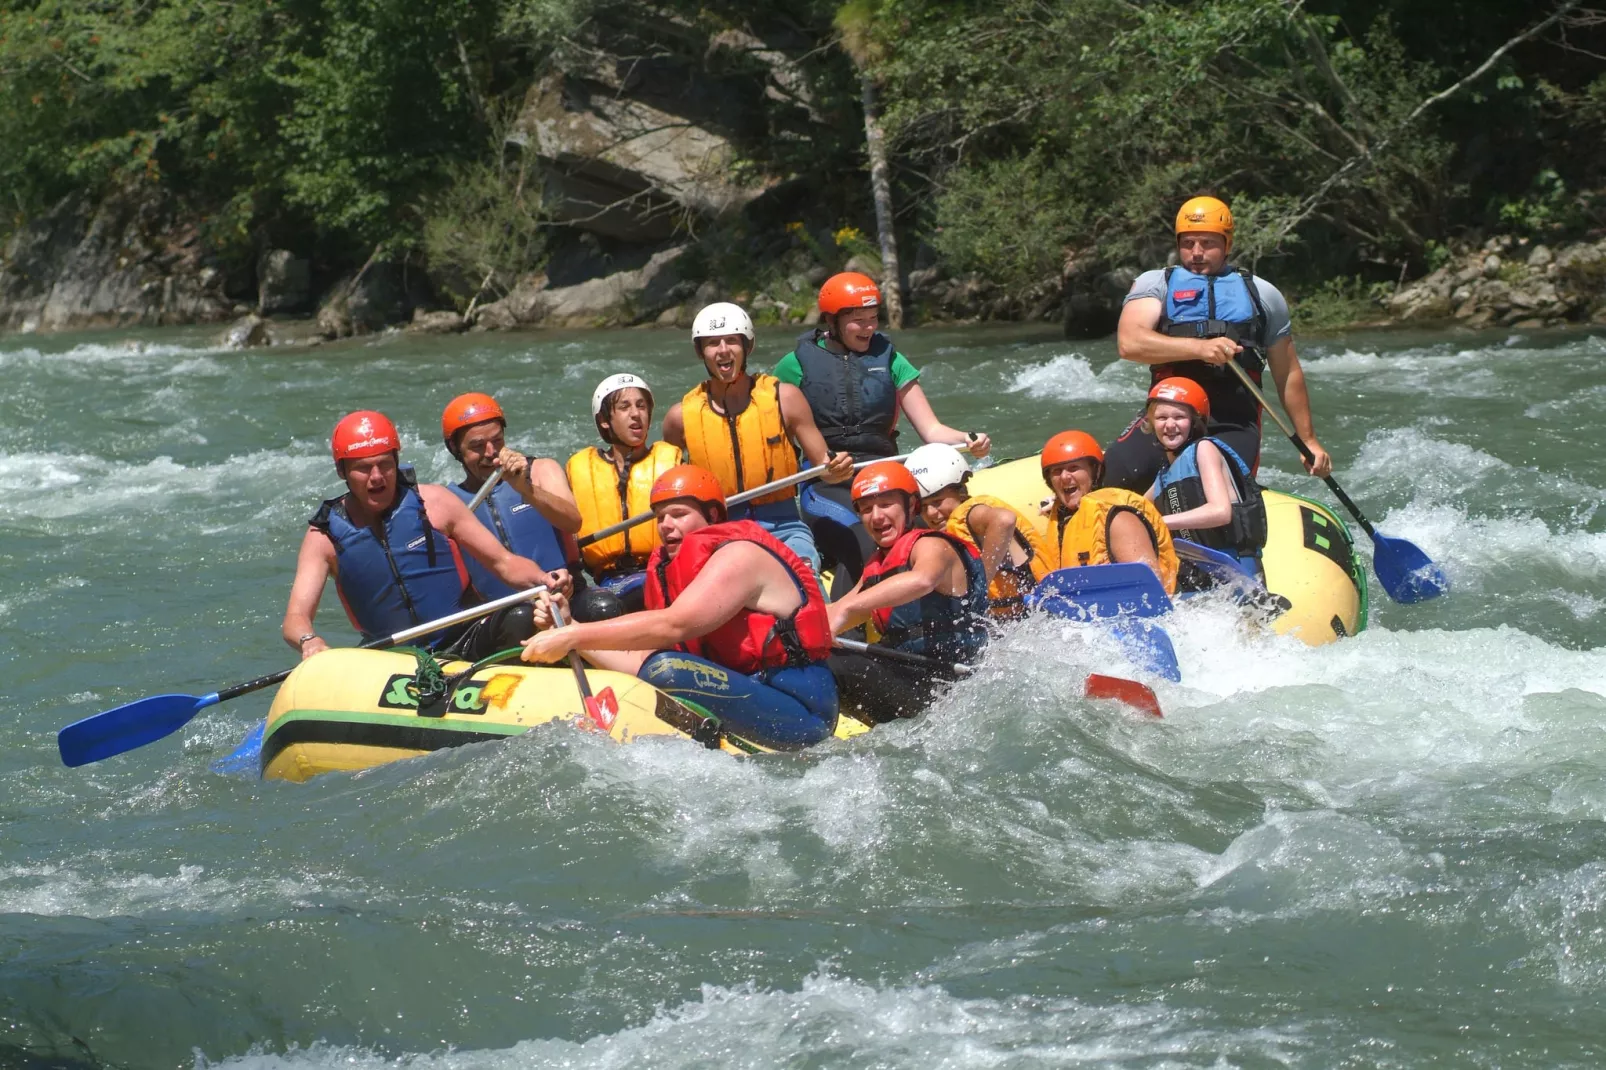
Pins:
<point x="315" y="562"/>
<point x="542" y="482"/>
<point x="914" y="403"/>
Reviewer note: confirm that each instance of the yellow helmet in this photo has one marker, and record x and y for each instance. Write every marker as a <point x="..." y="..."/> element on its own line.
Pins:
<point x="1205" y="215"/>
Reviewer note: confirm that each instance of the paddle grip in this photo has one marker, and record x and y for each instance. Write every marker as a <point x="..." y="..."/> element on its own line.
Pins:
<point x="252" y="685"/>
<point x="901" y="655"/>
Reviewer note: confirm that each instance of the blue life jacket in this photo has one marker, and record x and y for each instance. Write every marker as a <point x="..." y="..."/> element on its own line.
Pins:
<point x="1216" y="306"/>
<point x="1181" y="487"/>
<point x="952" y="627"/>
<point x="520" y="527"/>
<point x="854" y="400"/>
<point x="404" y="575"/>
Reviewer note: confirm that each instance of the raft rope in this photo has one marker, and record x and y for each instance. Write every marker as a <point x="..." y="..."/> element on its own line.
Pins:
<point x="429" y="682"/>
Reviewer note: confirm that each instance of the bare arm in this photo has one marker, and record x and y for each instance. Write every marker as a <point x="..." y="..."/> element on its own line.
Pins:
<point x="729" y="583"/>
<point x="1289" y="375"/>
<point x="543" y="484"/>
<point x="1138" y="339"/>
<point x="912" y="399"/>
<point x="675" y="426"/>
<point x="452" y="518"/>
<point x="315" y="562"/>
<point x="994" y="529"/>
<point x="928" y="568"/>
<point x="1216" y="512"/>
<point x="798" y="417"/>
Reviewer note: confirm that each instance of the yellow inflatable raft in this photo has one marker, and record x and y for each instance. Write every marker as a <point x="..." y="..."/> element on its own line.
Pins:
<point x="1309" y="559"/>
<point x="349" y="709"/>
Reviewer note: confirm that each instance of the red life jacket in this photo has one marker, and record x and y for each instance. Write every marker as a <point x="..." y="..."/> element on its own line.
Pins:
<point x="750" y="641"/>
<point x="950" y="625"/>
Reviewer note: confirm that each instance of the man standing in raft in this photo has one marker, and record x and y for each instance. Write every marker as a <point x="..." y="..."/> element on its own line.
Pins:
<point x="735" y="623"/>
<point x="1192" y="319"/>
<point x="1093" y="525"/>
<point x="925" y="591"/>
<point x="742" y="428"/>
<point x="1013" y="553"/>
<point x="857" y="383"/>
<point x="391" y="544"/>
<point x="615" y="482"/>
<point x="529" y="511"/>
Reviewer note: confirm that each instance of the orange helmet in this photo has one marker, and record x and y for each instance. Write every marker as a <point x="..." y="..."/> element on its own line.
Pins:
<point x="881" y="477"/>
<point x="466" y="410"/>
<point x="364" y="433"/>
<point x="1070" y="446"/>
<point x="1182" y="392"/>
<point x="1205" y="215"/>
<point x="687" y="481"/>
<point x="848" y="289"/>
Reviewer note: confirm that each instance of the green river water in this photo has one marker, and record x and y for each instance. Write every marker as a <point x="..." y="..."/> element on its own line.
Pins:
<point x="1390" y="851"/>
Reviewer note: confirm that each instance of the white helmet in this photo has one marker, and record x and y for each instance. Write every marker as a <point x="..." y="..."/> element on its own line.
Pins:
<point x="719" y="319"/>
<point x="936" y="465"/>
<point x="620" y="381"/>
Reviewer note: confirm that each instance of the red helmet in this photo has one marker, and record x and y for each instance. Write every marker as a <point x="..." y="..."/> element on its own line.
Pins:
<point x="687" y="481"/>
<point x="1070" y="446"/>
<point x="1182" y="392"/>
<point x="466" y="410"/>
<point x="364" y="433"/>
<point x="881" y="477"/>
<point x="846" y="290"/>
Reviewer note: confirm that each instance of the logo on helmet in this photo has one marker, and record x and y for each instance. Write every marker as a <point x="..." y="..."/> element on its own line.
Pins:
<point x="1196" y="216"/>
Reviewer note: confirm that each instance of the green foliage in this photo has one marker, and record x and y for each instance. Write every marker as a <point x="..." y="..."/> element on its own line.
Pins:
<point x="1340" y="302"/>
<point x="483" y="229"/>
<point x="1548" y="208"/>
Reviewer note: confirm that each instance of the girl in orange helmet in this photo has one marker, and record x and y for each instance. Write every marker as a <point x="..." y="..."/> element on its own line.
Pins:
<point x="857" y="385"/>
<point x="1205" y="490"/>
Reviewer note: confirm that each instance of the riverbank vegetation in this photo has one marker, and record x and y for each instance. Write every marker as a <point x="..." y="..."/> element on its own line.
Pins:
<point x="1027" y="144"/>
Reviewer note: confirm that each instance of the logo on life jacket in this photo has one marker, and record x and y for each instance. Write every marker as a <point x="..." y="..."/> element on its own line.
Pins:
<point x="1185" y="295"/>
<point x="416" y="543"/>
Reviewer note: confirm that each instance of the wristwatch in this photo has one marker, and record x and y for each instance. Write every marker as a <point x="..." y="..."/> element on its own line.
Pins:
<point x="303" y="640"/>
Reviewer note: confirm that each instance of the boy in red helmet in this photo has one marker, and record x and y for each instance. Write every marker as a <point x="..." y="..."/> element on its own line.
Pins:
<point x="735" y="625"/>
<point x="925" y="591"/>
<point x="392" y="546"/>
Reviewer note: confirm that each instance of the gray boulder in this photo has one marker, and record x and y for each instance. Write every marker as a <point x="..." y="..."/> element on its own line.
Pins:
<point x="622" y="298"/>
<point x="284" y="282"/>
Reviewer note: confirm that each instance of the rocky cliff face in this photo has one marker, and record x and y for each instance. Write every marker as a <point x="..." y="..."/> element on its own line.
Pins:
<point x="114" y="264"/>
<point x="1512" y="283"/>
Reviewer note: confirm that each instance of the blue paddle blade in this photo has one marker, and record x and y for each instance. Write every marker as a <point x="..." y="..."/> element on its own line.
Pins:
<point x="245" y="758"/>
<point x="128" y="726"/>
<point x="1148" y="646"/>
<point x="1094" y="591"/>
<point x="1406" y="573"/>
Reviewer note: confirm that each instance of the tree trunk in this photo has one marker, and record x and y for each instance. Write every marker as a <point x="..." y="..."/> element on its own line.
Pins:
<point x="881" y="187"/>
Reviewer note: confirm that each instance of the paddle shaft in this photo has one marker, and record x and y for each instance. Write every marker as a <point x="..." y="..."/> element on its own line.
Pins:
<point x="1304" y="450"/>
<point x="574" y="657"/>
<point x="737" y="499"/>
<point x="471" y="613"/>
<point x="485" y="490"/>
<point x="901" y="655"/>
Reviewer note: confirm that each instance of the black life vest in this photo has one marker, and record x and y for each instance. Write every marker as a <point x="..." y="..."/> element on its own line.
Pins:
<point x="854" y="399"/>
<point x="1180" y="487"/>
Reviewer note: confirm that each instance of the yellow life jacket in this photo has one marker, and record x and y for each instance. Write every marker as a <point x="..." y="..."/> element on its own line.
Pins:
<point x="1007" y="589"/>
<point x="746" y="450"/>
<point x="605" y="498"/>
<point x="1084" y="536"/>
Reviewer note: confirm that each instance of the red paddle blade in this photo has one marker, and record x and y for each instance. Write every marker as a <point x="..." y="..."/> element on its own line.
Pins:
<point x="603" y="708"/>
<point x="1134" y="694"/>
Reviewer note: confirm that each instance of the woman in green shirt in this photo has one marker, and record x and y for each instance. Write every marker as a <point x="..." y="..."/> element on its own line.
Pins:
<point x="857" y="383"/>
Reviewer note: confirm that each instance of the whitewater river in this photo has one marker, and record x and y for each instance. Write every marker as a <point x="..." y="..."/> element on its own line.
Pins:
<point x="1386" y="852"/>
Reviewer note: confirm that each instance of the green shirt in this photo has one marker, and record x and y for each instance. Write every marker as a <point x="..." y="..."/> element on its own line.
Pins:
<point x="789" y="370"/>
